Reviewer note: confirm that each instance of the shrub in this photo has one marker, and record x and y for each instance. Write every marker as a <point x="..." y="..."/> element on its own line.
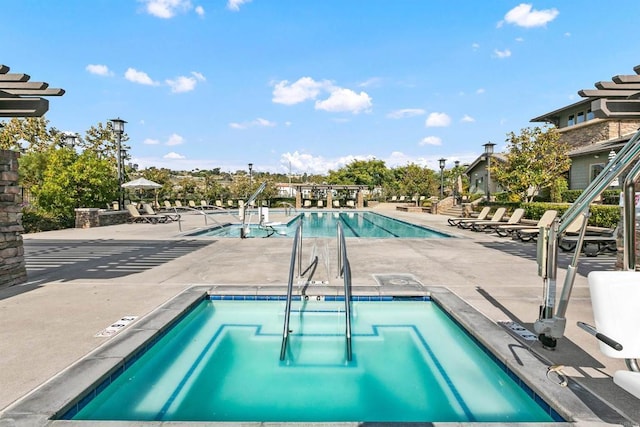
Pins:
<point x="35" y="221"/>
<point x="601" y="215"/>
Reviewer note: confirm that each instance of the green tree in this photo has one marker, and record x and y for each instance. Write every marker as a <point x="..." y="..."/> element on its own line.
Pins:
<point x="413" y="180"/>
<point x="101" y="140"/>
<point x="372" y="173"/>
<point x="535" y="160"/>
<point x="28" y="135"/>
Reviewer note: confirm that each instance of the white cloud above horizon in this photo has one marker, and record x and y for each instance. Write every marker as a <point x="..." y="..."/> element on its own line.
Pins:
<point x="259" y="122"/>
<point x="139" y="77"/>
<point x="173" y="155"/>
<point x="306" y="89"/>
<point x="99" y="70"/>
<point x="175" y="139"/>
<point x="167" y="9"/>
<point x="525" y="16"/>
<point x="183" y="84"/>
<point x="431" y="140"/>
<point x="406" y="113"/>
<point x="501" y="54"/>
<point x="235" y="4"/>
<point x="438" y="120"/>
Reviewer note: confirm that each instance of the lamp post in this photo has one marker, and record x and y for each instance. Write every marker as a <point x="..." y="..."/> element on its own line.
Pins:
<point x="70" y="139"/>
<point x="118" y="129"/>
<point x="488" y="151"/>
<point x="456" y="177"/>
<point x="442" y="162"/>
<point x="250" y="175"/>
<point x="616" y="181"/>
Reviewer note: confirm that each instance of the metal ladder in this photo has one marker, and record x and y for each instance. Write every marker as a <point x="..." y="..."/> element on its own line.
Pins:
<point x="344" y="270"/>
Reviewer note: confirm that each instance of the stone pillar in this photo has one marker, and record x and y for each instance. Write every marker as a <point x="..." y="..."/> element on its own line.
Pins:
<point x="13" y="270"/>
<point x="87" y="217"/>
<point x="298" y="198"/>
<point x="359" y="200"/>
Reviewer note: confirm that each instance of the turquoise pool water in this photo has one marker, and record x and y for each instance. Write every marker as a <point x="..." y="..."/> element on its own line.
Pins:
<point x="221" y="362"/>
<point x="323" y="224"/>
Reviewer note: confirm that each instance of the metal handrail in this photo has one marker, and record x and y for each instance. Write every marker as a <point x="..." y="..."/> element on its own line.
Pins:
<point x="550" y="326"/>
<point x="344" y="269"/>
<point x="202" y="212"/>
<point x="297" y="243"/>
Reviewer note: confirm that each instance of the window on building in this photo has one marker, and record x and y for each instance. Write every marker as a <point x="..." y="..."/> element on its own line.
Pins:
<point x="595" y="170"/>
<point x="571" y="121"/>
<point x="580" y="117"/>
<point x="590" y="115"/>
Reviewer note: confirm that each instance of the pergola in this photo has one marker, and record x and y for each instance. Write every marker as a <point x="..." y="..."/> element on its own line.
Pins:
<point x="617" y="99"/>
<point x="313" y="187"/>
<point x="21" y="98"/>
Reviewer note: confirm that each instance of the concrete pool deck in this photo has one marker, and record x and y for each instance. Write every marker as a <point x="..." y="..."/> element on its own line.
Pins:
<point x="83" y="280"/>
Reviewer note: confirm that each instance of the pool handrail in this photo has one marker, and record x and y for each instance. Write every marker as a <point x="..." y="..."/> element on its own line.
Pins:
<point x="205" y="214"/>
<point x="344" y="270"/>
<point x="297" y="243"/>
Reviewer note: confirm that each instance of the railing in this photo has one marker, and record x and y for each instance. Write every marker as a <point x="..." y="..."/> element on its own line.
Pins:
<point x="297" y="248"/>
<point x="244" y="227"/>
<point x="344" y="270"/>
<point x="288" y="208"/>
<point x="550" y="326"/>
<point x="202" y="212"/>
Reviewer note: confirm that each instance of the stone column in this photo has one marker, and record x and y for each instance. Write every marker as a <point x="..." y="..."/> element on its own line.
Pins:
<point x="13" y="270"/>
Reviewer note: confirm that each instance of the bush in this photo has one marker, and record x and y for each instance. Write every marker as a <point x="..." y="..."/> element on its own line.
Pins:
<point x="601" y="215"/>
<point x="35" y="221"/>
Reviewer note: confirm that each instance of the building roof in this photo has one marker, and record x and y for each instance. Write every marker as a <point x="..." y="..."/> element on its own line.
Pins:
<point x="21" y="98"/>
<point x="496" y="156"/>
<point x="599" y="147"/>
<point x="554" y="116"/>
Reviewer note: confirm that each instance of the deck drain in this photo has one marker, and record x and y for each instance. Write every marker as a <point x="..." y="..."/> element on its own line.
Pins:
<point x="116" y="327"/>
<point x="397" y="280"/>
<point x="519" y="330"/>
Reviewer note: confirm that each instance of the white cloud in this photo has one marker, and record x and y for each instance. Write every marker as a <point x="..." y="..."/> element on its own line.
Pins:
<point x="199" y="10"/>
<point x="525" y="16"/>
<point x="139" y="77"/>
<point x="175" y="139"/>
<point x="173" y="155"/>
<point x="519" y="39"/>
<point x="345" y="100"/>
<point x="406" y="112"/>
<point x="480" y="91"/>
<point x="302" y="90"/>
<point x="475" y="46"/>
<point x="502" y="53"/>
<point x="307" y="163"/>
<point x="100" y="70"/>
<point x="167" y="8"/>
<point x="372" y="82"/>
<point x="431" y="140"/>
<point x="259" y="122"/>
<point x="185" y="84"/>
<point x="149" y="141"/>
<point x="467" y="119"/>
<point x="438" y="120"/>
<point x="235" y="4"/>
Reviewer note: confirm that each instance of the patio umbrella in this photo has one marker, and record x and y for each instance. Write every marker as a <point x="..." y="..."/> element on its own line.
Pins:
<point x="143" y="184"/>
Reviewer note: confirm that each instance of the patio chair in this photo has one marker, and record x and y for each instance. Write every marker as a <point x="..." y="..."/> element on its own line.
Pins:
<point x="336" y="204"/>
<point x="320" y="204"/>
<point x="230" y="203"/>
<point x="528" y="232"/>
<point x="351" y="204"/>
<point x="167" y="205"/>
<point x="178" y="204"/>
<point x="148" y="209"/>
<point x="219" y="204"/>
<point x="614" y="299"/>
<point x="394" y="198"/>
<point x="488" y="225"/>
<point x="506" y="230"/>
<point x="484" y="213"/>
<point x="136" y="216"/>
<point x="497" y="216"/>
<point x="594" y="242"/>
<point x="193" y="205"/>
<point x="307" y="204"/>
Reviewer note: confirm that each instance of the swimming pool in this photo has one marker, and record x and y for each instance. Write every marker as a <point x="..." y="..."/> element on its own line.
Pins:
<point x="323" y="224"/>
<point x="221" y="363"/>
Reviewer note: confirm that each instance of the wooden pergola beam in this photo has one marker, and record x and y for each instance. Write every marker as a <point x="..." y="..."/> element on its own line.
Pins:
<point x="21" y="98"/>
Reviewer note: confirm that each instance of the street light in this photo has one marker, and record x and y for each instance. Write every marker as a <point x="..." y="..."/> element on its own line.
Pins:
<point x="456" y="175"/>
<point x="250" y="175"/>
<point x="70" y="139"/>
<point x="488" y="151"/>
<point x="118" y="129"/>
<point x="442" y="161"/>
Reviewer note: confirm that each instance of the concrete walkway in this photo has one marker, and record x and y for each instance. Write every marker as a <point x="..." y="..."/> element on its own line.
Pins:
<point x="82" y="280"/>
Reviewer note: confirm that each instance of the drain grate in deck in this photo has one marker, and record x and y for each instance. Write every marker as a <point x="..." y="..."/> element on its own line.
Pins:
<point x="397" y="280"/>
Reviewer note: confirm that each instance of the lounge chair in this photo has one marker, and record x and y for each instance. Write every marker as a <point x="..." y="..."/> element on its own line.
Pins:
<point x="593" y="244"/>
<point x="614" y="298"/>
<point x="528" y="232"/>
<point x="136" y="216"/>
<point x="320" y="204"/>
<point x="230" y="203"/>
<point x="336" y="204"/>
<point x="497" y="216"/>
<point x="148" y="209"/>
<point x="514" y="219"/>
<point x="351" y="204"/>
<point x="178" y="204"/>
<point x="394" y="198"/>
<point x="167" y="204"/>
<point x="193" y="205"/>
<point x="484" y="213"/>
<point x="307" y="204"/>
<point x="219" y="204"/>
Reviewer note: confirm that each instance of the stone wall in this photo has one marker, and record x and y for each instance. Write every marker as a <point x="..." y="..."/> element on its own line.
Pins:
<point x="13" y="269"/>
<point x="94" y="217"/>
<point x="593" y="131"/>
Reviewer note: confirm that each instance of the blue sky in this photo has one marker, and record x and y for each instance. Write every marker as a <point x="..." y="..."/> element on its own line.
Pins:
<point x="309" y="84"/>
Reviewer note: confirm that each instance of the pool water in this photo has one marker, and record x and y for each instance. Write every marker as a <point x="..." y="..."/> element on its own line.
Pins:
<point x="323" y="224"/>
<point x="221" y="362"/>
